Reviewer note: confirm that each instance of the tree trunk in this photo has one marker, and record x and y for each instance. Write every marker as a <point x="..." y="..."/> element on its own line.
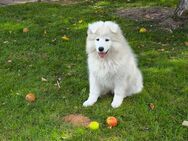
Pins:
<point x="182" y="8"/>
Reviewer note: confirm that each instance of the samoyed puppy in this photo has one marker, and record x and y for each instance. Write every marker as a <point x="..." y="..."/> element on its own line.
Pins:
<point x="112" y="64"/>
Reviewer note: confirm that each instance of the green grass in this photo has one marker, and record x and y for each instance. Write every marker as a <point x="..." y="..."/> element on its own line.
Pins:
<point x="36" y="54"/>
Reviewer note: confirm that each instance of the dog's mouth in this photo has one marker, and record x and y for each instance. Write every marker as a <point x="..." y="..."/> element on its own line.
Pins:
<point x="102" y="54"/>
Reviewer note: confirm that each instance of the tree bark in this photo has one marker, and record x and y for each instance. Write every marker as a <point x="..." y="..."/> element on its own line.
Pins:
<point x="182" y="8"/>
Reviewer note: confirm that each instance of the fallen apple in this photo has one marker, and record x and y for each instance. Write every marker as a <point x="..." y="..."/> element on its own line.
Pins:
<point x="30" y="97"/>
<point x="111" y="121"/>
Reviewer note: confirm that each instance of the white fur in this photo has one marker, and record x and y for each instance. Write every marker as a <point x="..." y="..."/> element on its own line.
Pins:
<point x="116" y="69"/>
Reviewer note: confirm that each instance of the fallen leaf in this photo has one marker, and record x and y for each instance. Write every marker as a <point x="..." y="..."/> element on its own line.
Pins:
<point x="5" y="42"/>
<point x="162" y="49"/>
<point x="144" y="129"/>
<point x="59" y="78"/>
<point x="142" y="30"/>
<point x="9" y="61"/>
<point x="65" y="38"/>
<point x="25" y="30"/>
<point x="43" y="79"/>
<point x="151" y="106"/>
<point x="69" y="66"/>
<point x="185" y="123"/>
<point x="77" y="120"/>
<point x="69" y="74"/>
<point x="186" y="43"/>
<point x="80" y="21"/>
<point x="58" y="83"/>
<point x="53" y="40"/>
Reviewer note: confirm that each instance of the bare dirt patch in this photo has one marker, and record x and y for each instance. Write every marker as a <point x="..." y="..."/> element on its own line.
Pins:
<point x="162" y="16"/>
<point x="77" y="120"/>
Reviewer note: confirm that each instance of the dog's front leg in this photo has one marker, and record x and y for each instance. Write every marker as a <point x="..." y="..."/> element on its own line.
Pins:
<point x="94" y="92"/>
<point x="119" y="95"/>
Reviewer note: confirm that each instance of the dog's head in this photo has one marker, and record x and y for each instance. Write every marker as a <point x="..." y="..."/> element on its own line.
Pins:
<point x="101" y="36"/>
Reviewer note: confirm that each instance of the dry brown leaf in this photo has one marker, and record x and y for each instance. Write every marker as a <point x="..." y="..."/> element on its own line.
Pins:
<point x="186" y="43"/>
<point x="77" y="120"/>
<point x="151" y="106"/>
<point x="25" y="29"/>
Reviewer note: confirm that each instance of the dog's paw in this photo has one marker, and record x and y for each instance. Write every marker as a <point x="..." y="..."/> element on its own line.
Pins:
<point x="115" y="104"/>
<point x="88" y="103"/>
<point x="117" y="101"/>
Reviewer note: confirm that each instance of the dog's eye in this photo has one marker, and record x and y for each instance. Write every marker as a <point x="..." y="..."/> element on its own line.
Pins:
<point x="106" y="40"/>
<point x="97" y="39"/>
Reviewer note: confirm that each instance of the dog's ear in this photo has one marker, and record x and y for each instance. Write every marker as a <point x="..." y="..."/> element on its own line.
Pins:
<point x="92" y="28"/>
<point x="113" y="26"/>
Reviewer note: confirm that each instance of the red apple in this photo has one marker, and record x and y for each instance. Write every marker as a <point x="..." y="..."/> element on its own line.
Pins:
<point x="111" y="121"/>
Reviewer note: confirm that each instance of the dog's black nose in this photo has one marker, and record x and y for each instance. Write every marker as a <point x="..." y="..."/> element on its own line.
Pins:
<point x="101" y="48"/>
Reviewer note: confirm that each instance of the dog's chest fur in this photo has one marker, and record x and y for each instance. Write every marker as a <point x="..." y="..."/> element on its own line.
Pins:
<point x="105" y="71"/>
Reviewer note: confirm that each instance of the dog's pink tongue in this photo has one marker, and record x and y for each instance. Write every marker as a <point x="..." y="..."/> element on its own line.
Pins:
<point x="102" y="55"/>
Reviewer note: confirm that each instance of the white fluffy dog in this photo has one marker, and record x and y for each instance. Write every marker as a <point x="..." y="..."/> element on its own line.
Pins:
<point x="112" y="64"/>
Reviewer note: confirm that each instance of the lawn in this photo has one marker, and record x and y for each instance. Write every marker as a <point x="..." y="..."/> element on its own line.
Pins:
<point x="27" y="57"/>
